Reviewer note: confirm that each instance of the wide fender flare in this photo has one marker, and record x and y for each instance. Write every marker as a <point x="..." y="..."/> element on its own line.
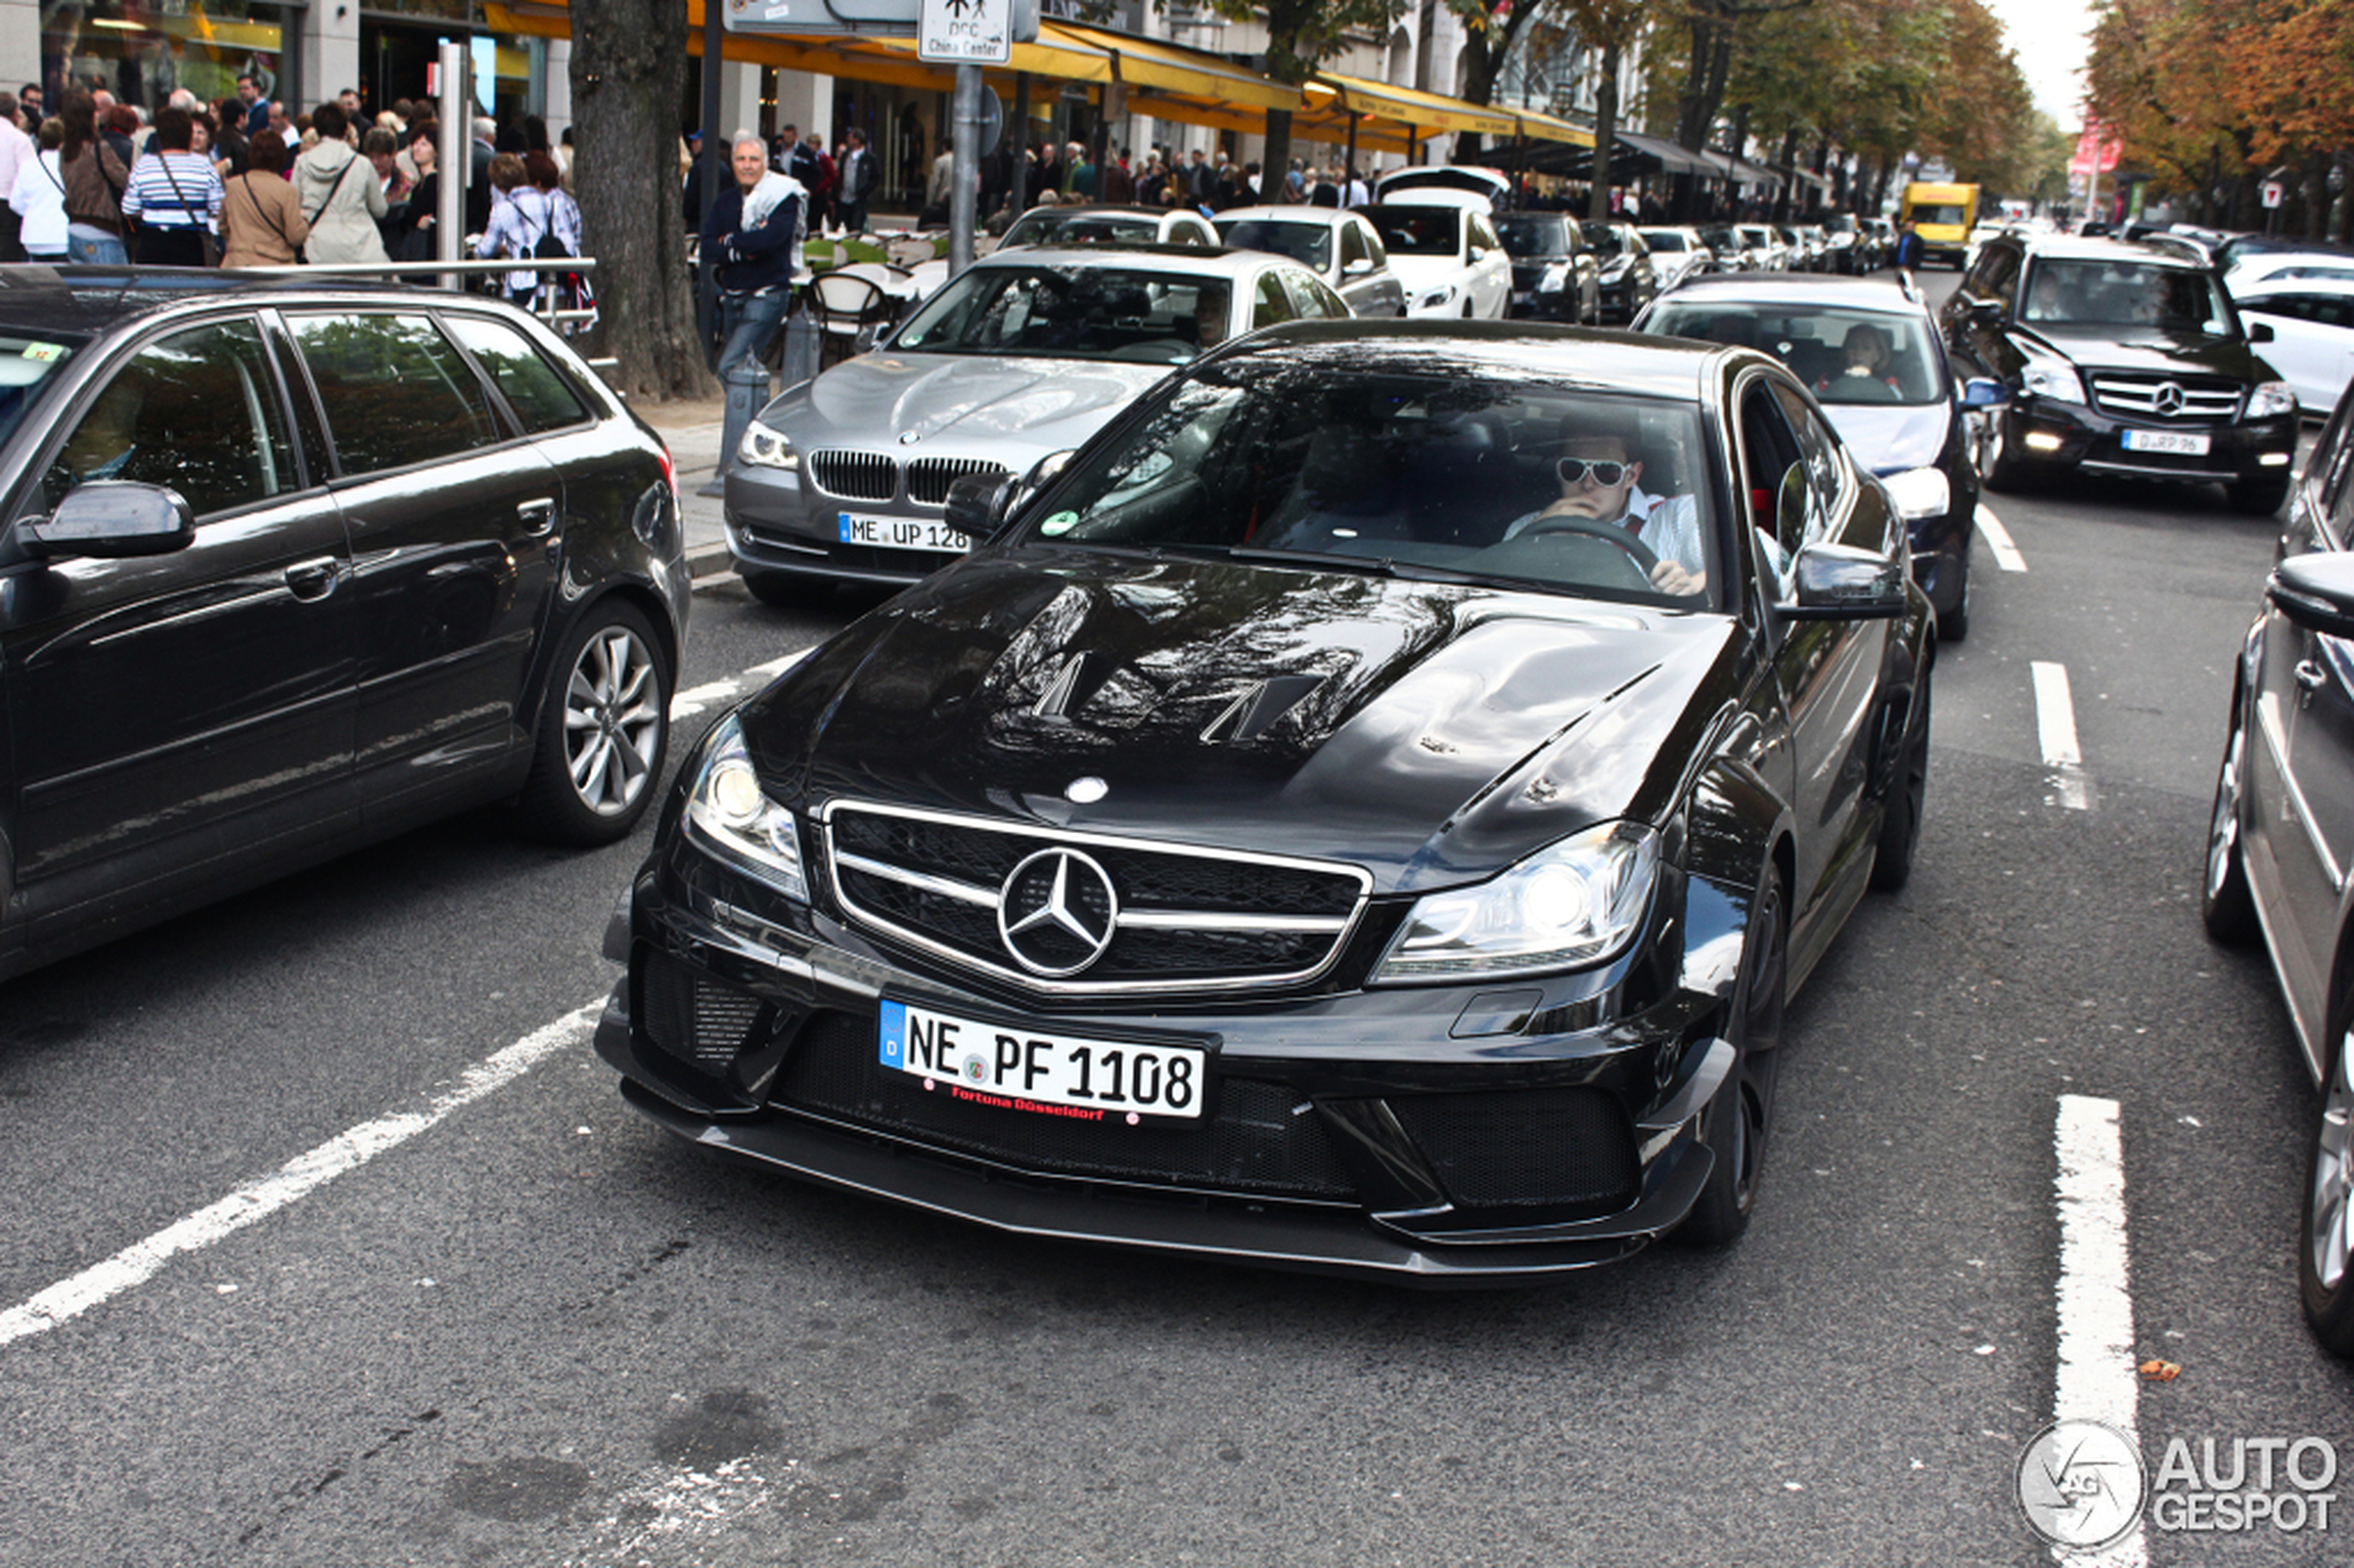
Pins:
<point x="1738" y="831"/>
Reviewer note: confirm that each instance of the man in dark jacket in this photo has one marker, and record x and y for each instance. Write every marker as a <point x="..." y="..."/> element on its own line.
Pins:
<point x="753" y="266"/>
<point x="857" y="176"/>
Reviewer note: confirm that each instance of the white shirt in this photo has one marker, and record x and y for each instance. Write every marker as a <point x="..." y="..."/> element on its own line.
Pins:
<point x="39" y="197"/>
<point x="1670" y="527"/>
<point x="16" y="154"/>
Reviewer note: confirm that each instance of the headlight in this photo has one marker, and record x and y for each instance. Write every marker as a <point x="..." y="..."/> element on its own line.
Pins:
<point x="1436" y="297"/>
<point x="1573" y="903"/>
<point x="2060" y="384"/>
<point x="2271" y="399"/>
<point x="728" y="813"/>
<point x="1616" y="268"/>
<point x="767" y="449"/>
<point x="1919" y="492"/>
<point x="1556" y="277"/>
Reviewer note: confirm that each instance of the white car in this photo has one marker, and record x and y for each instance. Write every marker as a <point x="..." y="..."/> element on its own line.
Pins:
<point x="2270" y="269"/>
<point x="1678" y="254"/>
<point x="1423" y="182"/>
<point x="2313" y="323"/>
<point x="1447" y="254"/>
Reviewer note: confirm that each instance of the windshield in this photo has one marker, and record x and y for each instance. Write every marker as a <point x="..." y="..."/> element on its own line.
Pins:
<point x="1533" y="237"/>
<point x="1074" y="312"/>
<point x="1417" y="231"/>
<point x="1441" y="179"/>
<point x="1948" y="214"/>
<point x="1445" y="470"/>
<point x="1049" y="226"/>
<point x="1845" y="355"/>
<point x="1310" y="245"/>
<point x="1721" y="237"/>
<point x="1663" y="239"/>
<point x="1756" y="237"/>
<point x="1604" y="238"/>
<point x="2126" y="293"/>
<point x="29" y="366"/>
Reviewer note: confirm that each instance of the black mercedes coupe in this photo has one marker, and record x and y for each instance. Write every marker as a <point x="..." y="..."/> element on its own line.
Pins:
<point x="1366" y="812"/>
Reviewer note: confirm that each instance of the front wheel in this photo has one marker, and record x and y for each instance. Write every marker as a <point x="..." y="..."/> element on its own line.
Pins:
<point x="2225" y="904"/>
<point x="1900" y="822"/>
<point x="604" y="726"/>
<point x="1953" y="624"/>
<point x="1737" y="1122"/>
<point x="2325" y="1240"/>
<point x="1996" y="466"/>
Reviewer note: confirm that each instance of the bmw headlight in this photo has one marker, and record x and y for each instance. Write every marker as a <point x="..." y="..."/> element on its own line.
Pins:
<point x="728" y="813"/>
<point x="767" y="449"/>
<point x="2271" y="399"/>
<point x="1555" y="279"/>
<point x="1435" y="297"/>
<point x="2059" y="383"/>
<point x="1573" y="903"/>
<point x="1919" y="492"/>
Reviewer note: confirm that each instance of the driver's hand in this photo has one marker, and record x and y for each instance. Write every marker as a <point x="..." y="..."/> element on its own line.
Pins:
<point x="1670" y="577"/>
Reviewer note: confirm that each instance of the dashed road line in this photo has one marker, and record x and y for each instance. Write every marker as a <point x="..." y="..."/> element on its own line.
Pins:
<point x="1998" y="539"/>
<point x="2096" y="1380"/>
<point x="2056" y="731"/>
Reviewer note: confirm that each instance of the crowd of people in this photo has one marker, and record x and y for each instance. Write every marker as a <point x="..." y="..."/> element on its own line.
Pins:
<point x="243" y="183"/>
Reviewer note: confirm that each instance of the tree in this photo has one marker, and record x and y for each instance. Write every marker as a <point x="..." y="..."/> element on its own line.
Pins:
<point x="1301" y="35"/>
<point x="628" y="78"/>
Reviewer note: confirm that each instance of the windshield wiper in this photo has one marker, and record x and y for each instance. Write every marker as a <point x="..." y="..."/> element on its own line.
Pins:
<point x="1372" y="565"/>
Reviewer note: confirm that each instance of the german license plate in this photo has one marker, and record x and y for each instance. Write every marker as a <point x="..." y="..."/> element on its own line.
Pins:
<point x="1019" y="1068"/>
<point x="2181" y="443"/>
<point x="900" y="533"/>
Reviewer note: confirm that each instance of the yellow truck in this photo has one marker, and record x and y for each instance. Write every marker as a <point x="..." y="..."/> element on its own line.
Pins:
<point x="1943" y="216"/>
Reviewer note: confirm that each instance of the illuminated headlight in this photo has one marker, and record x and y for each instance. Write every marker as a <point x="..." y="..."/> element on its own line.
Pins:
<point x="1435" y="297"/>
<point x="1556" y="277"/>
<point x="767" y="449"/>
<point x="728" y="813"/>
<point x="2270" y="400"/>
<point x="1919" y="492"/>
<point x="2059" y="383"/>
<point x="1575" y="903"/>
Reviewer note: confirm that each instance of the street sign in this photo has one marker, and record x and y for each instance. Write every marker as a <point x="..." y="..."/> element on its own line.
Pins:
<point x="2273" y="193"/>
<point x="890" y="17"/>
<point x="964" y="32"/>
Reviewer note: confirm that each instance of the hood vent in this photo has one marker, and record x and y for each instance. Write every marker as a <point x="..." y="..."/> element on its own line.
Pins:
<point x="1251" y="715"/>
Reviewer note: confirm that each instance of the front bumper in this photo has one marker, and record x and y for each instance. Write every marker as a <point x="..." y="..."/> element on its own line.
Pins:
<point x="778" y="523"/>
<point x="1545" y="305"/>
<point x="2042" y="431"/>
<point x="1434" y="1135"/>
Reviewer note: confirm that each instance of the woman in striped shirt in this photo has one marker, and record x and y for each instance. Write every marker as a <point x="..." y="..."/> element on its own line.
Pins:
<point x="174" y="195"/>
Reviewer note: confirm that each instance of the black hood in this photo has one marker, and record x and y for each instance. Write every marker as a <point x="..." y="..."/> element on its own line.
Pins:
<point x="2149" y="349"/>
<point x="1430" y="733"/>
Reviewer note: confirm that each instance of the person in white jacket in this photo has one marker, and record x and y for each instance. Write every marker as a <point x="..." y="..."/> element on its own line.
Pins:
<point x="340" y="202"/>
<point x="39" y="199"/>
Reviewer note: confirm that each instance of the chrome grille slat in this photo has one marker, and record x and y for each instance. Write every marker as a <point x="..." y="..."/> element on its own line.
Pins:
<point x="928" y="479"/>
<point x="867" y="476"/>
<point x="1245" y="920"/>
<point x="2202" y="397"/>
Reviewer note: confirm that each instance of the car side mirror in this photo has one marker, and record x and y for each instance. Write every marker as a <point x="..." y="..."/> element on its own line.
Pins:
<point x="978" y="504"/>
<point x="1358" y="268"/>
<point x="1983" y="392"/>
<point x="2316" y="592"/>
<point x="111" y="518"/>
<point x="2260" y="332"/>
<point x="1833" y="582"/>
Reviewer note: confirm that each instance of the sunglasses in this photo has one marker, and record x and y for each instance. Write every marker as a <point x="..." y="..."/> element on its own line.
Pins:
<point x="1606" y="474"/>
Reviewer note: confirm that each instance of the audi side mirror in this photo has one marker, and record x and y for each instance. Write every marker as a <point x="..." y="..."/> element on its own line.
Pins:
<point x="978" y="504"/>
<point x="111" y="518"/>
<point x="2260" y="332"/>
<point x="2316" y="591"/>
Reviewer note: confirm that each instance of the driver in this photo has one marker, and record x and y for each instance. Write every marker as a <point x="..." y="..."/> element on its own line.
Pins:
<point x="1866" y="350"/>
<point x="1596" y="470"/>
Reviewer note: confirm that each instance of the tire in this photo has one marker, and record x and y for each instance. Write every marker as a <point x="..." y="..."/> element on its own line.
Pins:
<point x="778" y="590"/>
<point x="2257" y="497"/>
<point x="605" y="729"/>
<point x="2000" y="470"/>
<point x="2326" y="1236"/>
<point x="1900" y="822"/>
<point x="1953" y="625"/>
<point x="2225" y="904"/>
<point x="1737" y="1122"/>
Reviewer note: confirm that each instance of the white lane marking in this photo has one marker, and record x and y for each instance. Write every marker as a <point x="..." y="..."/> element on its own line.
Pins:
<point x="1998" y="539"/>
<point x="264" y="1195"/>
<point x="2096" y="1380"/>
<point x="2056" y="731"/>
<point x="695" y="699"/>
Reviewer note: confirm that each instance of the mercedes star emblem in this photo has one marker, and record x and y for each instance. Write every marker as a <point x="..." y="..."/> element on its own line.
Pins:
<point x="1057" y="913"/>
<point x="2168" y="398"/>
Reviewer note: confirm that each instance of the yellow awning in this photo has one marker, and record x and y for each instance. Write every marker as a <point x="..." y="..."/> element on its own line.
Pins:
<point x="1548" y="128"/>
<point x="1426" y="112"/>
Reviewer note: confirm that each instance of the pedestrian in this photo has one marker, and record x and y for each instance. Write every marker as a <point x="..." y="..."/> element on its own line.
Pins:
<point x="16" y="156"/>
<point x="341" y="196"/>
<point x="821" y="194"/>
<point x="753" y="262"/>
<point x="413" y="236"/>
<point x="95" y="183"/>
<point x="261" y="221"/>
<point x="256" y="111"/>
<point x="1908" y="246"/>
<point x="944" y="174"/>
<point x="173" y="197"/>
<point x="520" y="219"/>
<point x="857" y="176"/>
<point x="37" y="200"/>
<point x="1116" y="183"/>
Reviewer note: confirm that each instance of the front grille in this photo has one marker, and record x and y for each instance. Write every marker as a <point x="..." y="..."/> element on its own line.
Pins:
<point x="1187" y="918"/>
<point x="867" y="476"/>
<point x="928" y="479"/>
<point x="1529" y="1148"/>
<point x="2205" y="399"/>
<point x="1254" y="1136"/>
<point x="692" y="1017"/>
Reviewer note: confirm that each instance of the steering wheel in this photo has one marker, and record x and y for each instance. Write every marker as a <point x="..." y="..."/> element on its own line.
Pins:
<point x="1612" y="533"/>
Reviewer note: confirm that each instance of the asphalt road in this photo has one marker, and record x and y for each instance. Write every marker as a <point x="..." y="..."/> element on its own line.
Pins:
<point x="373" y="1267"/>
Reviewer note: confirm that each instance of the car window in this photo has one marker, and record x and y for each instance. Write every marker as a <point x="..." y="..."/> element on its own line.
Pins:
<point x="30" y="360"/>
<point x="197" y="411"/>
<point x="1418" y="231"/>
<point x="539" y="394"/>
<point x="1374" y="247"/>
<point x="1312" y="299"/>
<point x="1310" y="245"/>
<point x="1270" y="304"/>
<point x="1819" y="450"/>
<point x="1194" y="232"/>
<point x="394" y="390"/>
<point x="2340" y="515"/>
<point x="1998" y="276"/>
<point x="1352" y="244"/>
<point x="1079" y="312"/>
<point x="1537" y="484"/>
<point x="1771" y="465"/>
<point x="1844" y="356"/>
<point x="2067" y="292"/>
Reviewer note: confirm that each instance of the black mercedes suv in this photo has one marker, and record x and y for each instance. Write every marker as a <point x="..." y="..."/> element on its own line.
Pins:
<point x="2121" y="359"/>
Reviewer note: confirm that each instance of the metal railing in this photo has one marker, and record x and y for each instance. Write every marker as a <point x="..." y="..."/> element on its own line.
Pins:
<point x="449" y="275"/>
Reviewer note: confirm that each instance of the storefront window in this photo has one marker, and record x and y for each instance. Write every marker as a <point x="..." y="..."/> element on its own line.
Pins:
<point x="143" y="50"/>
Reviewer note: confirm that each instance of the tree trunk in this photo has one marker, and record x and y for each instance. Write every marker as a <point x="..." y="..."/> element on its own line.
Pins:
<point x="1785" y="197"/>
<point x="1605" y="132"/>
<point x="628" y="79"/>
<point x="1278" y="163"/>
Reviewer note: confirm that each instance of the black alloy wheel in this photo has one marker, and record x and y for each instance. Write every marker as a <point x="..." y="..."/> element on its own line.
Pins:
<point x="2224" y="901"/>
<point x="1996" y="466"/>
<point x="1737" y="1123"/>
<point x="2325" y="1239"/>
<point x="1900" y="822"/>
<point x="603" y="730"/>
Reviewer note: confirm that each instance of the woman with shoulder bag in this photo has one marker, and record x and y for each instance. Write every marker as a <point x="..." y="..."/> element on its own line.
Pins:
<point x="260" y="216"/>
<point x="94" y="182"/>
<point x="174" y="195"/>
<point x="341" y="196"/>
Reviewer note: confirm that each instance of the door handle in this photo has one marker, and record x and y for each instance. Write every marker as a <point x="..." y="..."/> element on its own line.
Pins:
<point x="2310" y="675"/>
<point x="538" y="516"/>
<point x="313" y="579"/>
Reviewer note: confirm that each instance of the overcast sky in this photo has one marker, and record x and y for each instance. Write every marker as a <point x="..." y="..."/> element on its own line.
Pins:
<point x="2049" y="36"/>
